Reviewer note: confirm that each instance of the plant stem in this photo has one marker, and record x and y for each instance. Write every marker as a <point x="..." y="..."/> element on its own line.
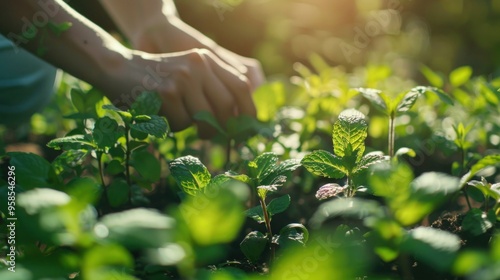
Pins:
<point x="268" y="227"/>
<point x="228" y="153"/>
<point x="127" y="163"/>
<point x="391" y="134"/>
<point x="404" y="264"/>
<point x="101" y="171"/>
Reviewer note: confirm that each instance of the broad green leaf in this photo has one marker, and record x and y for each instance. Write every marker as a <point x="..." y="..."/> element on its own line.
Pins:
<point x="253" y="245"/>
<point x="40" y="211"/>
<point x="115" y="167"/>
<point x="242" y="127"/>
<point x="118" y="192"/>
<point x="283" y="168"/>
<point x="190" y="174"/>
<point x="469" y="261"/>
<point x="326" y="255"/>
<point x="350" y="130"/>
<point x="441" y="94"/>
<point x="408" y="100"/>
<point x="476" y="222"/>
<point x="346" y="207"/>
<point x="106" y="262"/>
<point x="207" y="117"/>
<point x="69" y="160"/>
<point x="106" y="132"/>
<point x="32" y="171"/>
<point x="368" y="160"/>
<point x="78" y="100"/>
<point x="460" y="76"/>
<point x="434" y="247"/>
<point x="323" y="163"/>
<point x="58" y="143"/>
<point x="136" y="228"/>
<point x="268" y="99"/>
<point x="157" y="126"/>
<point x="433" y="78"/>
<point x="148" y="103"/>
<point x="256" y="213"/>
<point x="428" y="192"/>
<point x="213" y="218"/>
<point x="392" y="182"/>
<point x="373" y="95"/>
<point x="482" y="163"/>
<point x="386" y="237"/>
<point x="147" y="165"/>
<point x="263" y="165"/>
<point x="278" y="205"/>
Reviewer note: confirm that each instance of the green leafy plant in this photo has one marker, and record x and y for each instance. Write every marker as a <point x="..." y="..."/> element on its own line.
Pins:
<point x="393" y="107"/>
<point x="349" y="160"/>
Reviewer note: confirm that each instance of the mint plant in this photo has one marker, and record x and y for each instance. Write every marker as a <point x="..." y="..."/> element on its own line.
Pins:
<point x="401" y="104"/>
<point x="348" y="160"/>
<point x="118" y="140"/>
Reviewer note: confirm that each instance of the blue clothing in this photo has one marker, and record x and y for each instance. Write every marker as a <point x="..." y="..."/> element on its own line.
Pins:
<point x="26" y="83"/>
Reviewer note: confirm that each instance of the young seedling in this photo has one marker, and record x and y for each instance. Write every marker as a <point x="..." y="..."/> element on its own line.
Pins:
<point x="348" y="160"/>
<point x="392" y="107"/>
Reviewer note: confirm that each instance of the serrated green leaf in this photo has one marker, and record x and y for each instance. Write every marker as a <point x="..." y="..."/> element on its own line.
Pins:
<point x="148" y="103"/>
<point x="262" y="166"/>
<point x="460" y="76"/>
<point x="441" y="94"/>
<point x="190" y="174"/>
<point x="368" y="160"/>
<point x="106" y="132"/>
<point x="115" y="167"/>
<point x="256" y="213"/>
<point x="350" y="129"/>
<point x="323" y="163"/>
<point x="157" y="126"/>
<point x="58" y="143"/>
<point x="434" y="247"/>
<point x="373" y="95"/>
<point x="117" y="192"/>
<point x="253" y="245"/>
<point x="147" y="165"/>
<point x="69" y="160"/>
<point x="283" y="168"/>
<point x="433" y="78"/>
<point x="408" y="100"/>
<point x="278" y="205"/>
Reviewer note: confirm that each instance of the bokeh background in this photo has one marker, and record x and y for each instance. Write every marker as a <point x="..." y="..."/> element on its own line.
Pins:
<point x="442" y="34"/>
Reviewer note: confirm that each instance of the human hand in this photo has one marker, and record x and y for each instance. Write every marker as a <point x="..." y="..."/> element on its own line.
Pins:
<point x="188" y="82"/>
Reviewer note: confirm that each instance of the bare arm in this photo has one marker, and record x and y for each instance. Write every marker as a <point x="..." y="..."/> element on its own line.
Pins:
<point x="189" y="82"/>
<point x="154" y="26"/>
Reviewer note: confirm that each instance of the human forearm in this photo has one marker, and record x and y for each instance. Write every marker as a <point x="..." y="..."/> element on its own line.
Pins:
<point x="84" y="50"/>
